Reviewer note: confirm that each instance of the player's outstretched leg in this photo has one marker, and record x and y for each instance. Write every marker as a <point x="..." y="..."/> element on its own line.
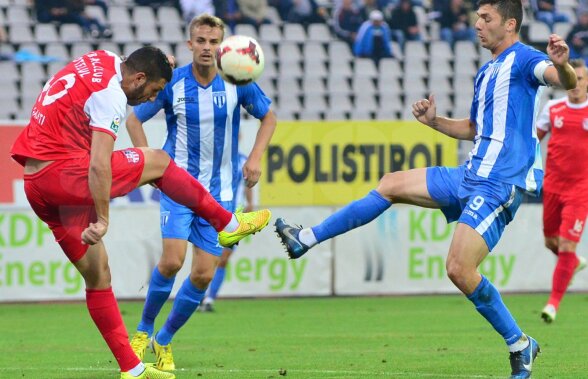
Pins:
<point x="357" y="213"/>
<point x="521" y="361"/>
<point x="249" y="223"/>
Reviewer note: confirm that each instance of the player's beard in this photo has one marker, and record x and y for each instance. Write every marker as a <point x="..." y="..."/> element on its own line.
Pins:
<point x="134" y="98"/>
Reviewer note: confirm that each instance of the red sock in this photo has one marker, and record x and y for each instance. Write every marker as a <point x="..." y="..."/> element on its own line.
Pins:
<point x="182" y="188"/>
<point x="106" y="315"/>
<point x="567" y="261"/>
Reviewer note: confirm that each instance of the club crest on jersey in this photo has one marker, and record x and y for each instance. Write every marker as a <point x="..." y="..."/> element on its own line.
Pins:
<point x="132" y="156"/>
<point x="585" y="124"/>
<point x="219" y="99"/>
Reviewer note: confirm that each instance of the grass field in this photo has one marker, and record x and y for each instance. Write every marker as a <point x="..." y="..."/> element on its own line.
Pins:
<point x="380" y="337"/>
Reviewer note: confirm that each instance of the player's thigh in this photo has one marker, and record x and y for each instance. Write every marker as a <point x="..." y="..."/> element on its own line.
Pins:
<point x="175" y="224"/>
<point x="573" y="218"/>
<point x="552" y="214"/>
<point x="127" y="166"/>
<point x="489" y="207"/>
<point x="407" y="187"/>
<point x="467" y="250"/>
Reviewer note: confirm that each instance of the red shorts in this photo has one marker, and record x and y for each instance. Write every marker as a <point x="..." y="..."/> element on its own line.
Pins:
<point x="564" y="216"/>
<point x="60" y="195"/>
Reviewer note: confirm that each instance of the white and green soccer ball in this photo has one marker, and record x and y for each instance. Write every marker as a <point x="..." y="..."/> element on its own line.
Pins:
<point x="239" y="60"/>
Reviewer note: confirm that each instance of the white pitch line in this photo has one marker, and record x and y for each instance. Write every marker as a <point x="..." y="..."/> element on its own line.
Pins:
<point x="266" y="371"/>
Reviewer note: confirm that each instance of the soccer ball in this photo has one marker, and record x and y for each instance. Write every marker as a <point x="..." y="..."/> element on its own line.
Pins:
<point x="239" y="60"/>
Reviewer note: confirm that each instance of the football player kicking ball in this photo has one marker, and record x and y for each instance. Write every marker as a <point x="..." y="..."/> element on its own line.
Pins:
<point x="565" y="190"/>
<point x="71" y="173"/>
<point x="484" y="194"/>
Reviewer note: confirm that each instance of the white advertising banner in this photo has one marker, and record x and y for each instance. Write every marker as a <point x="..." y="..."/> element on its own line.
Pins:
<point x="33" y="267"/>
<point x="404" y="250"/>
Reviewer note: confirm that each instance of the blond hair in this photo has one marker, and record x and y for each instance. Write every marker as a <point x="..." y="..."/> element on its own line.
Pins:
<point x="208" y="20"/>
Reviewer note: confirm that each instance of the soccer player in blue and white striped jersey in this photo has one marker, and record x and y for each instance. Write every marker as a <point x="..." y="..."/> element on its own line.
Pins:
<point x="484" y="194"/>
<point x="203" y="115"/>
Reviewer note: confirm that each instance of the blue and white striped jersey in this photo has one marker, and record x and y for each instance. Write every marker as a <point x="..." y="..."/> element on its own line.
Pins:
<point x="203" y="127"/>
<point x="506" y="99"/>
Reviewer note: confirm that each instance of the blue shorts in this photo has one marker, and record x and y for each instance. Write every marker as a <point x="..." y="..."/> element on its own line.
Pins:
<point x="485" y="205"/>
<point x="178" y="221"/>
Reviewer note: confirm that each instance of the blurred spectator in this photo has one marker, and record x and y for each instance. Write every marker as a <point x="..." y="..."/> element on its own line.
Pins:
<point x="254" y="12"/>
<point x="100" y="3"/>
<point x="193" y="8"/>
<point x="455" y="25"/>
<point x="346" y="21"/>
<point x="367" y="7"/>
<point x="577" y="38"/>
<point x="228" y="11"/>
<point x="546" y="12"/>
<point x="70" y="12"/>
<point x="403" y="23"/>
<point x="306" y="12"/>
<point x="373" y="38"/>
<point x="3" y="40"/>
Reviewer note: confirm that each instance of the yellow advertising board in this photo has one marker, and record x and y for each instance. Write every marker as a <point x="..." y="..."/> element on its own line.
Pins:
<point x="333" y="163"/>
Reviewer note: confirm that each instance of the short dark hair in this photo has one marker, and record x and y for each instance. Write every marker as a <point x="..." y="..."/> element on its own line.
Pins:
<point x="152" y="61"/>
<point x="507" y="9"/>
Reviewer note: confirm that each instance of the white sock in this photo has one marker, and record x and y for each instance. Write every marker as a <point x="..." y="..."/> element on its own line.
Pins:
<point x="521" y="344"/>
<point x="137" y="370"/>
<point x="307" y="237"/>
<point x="232" y="225"/>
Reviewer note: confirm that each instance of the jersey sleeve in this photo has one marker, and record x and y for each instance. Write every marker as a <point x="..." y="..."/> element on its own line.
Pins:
<point x="254" y="100"/>
<point x="149" y="109"/>
<point x="543" y="121"/>
<point x="534" y="65"/>
<point x="106" y="109"/>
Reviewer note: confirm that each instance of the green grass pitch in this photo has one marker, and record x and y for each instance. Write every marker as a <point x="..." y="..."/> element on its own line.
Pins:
<point x="374" y="337"/>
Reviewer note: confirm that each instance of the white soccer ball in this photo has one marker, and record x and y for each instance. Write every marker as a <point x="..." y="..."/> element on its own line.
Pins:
<point x="239" y="60"/>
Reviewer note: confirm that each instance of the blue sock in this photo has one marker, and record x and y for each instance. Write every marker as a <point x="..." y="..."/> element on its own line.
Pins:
<point x="354" y="215"/>
<point x="215" y="284"/>
<point x="489" y="303"/>
<point x="159" y="289"/>
<point x="186" y="302"/>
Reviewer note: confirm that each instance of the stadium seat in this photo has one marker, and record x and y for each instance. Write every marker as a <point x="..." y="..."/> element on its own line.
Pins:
<point x="288" y="52"/>
<point x="184" y="56"/>
<point x="335" y="114"/>
<point x="538" y="32"/>
<point x="310" y="114"/>
<point x="294" y="33"/>
<point x="290" y="70"/>
<point x="270" y="70"/>
<point x="396" y="51"/>
<point x="18" y="16"/>
<point x="122" y="33"/>
<point x="118" y="15"/>
<point x="390" y="103"/>
<point x="415" y="50"/>
<point x="144" y="16"/>
<point x="389" y="86"/>
<point x="53" y="68"/>
<point x="71" y="33"/>
<point x="270" y="33"/>
<point x="288" y="87"/>
<point x="147" y="33"/>
<point x="57" y="50"/>
<point x="563" y="28"/>
<point x="167" y="47"/>
<point x="46" y="33"/>
<point x="8" y="72"/>
<point x="246" y="30"/>
<point x="313" y="86"/>
<point x="466" y="51"/>
<point x="340" y="69"/>
<point x="128" y="48"/>
<point x="269" y="52"/>
<point x="485" y="56"/>
<point x="9" y="91"/>
<point x="169" y="15"/>
<point x="8" y="109"/>
<point x="440" y="66"/>
<point x="316" y="70"/>
<point x="315" y="102"/>
<point x="416" y="69"/>
<point x="389" y="68"/>
<point x="110" y="46"/>
<point x="273" y="15"/>
<point x="440" y="49"/>
<point x="80" y="48"/>
<point x="289" y="103"/>
<point x="422" y="21"/>
<point x="386" y="114"/>
<point x="340" y="101"/>
<point x="31" y="47"/>
<point x="314" y="52"/>
<point x="20" y="33"/>
<point x="339" y="86"/>
<point x="362" y="85"/>
<point x="365" y="101"/>
<point x="360" y="115"/>
<point x="319" y="33"/>
<point x="364" y="68"/>
<point x="96" y="12"/>
<point x="172" y="34"/>
<point x="338" y="52"/>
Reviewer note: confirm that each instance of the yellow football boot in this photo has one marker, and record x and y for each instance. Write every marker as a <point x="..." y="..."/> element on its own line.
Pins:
<point x="163" y="356"/>
<point x="139" y="343"/>
<point x="151" y="372"/>
<point x="249" y="223"/>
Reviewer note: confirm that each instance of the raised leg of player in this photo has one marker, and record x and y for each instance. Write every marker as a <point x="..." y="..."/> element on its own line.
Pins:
<point x="103" y="308"/>
<point x="183" y="188"/>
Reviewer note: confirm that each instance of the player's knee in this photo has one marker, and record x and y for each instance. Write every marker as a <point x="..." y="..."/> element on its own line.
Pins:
<point x="389" y="185"/>
<point x="566" y="245"/>
<point x="170" y="266"/>
<point x="201" y="279"/>
<point x="551" y="244"/>
<point x="156" y="159"/>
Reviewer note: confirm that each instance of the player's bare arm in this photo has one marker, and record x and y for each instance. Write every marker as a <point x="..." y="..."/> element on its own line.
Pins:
<point x="100" y="182"/>
<point x="252" y="168"/>
<point x="561" y="74"/>
<point x="425" y="111"/>
<point x="136" y="131"/>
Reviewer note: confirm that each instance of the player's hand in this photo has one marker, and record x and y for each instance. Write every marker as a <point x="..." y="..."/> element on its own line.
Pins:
<point x="251" y="173"/>
<point x="425" y="110"/>
<point x="94" y="232"/>
<point x="558" y="50"/>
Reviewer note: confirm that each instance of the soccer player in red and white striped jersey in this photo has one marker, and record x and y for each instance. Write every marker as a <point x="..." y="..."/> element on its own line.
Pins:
<point x="565" y="188"/>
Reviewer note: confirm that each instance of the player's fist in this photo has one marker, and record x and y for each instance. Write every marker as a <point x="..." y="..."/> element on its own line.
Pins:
<point x="94" y="232"/>
<point x="558" y="50"/>
<point x="425" y="110"/>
